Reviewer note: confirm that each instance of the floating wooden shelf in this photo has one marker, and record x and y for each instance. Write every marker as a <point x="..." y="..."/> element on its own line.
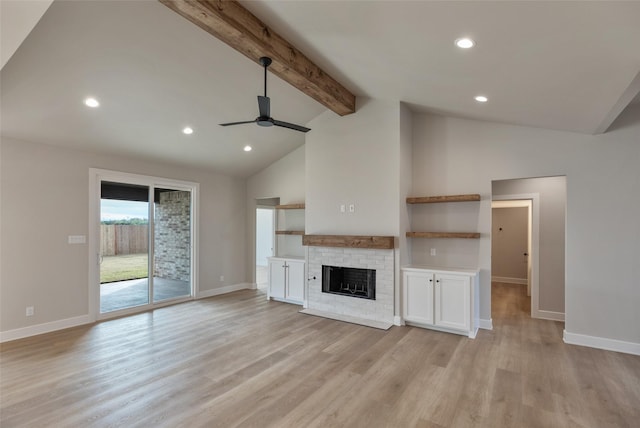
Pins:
<point x="349" y="241"/>
<point x="465" y="235"/>
<point x="290" y="207"/>
<point x="437" y="199"/>
<point x="289" y="232"/>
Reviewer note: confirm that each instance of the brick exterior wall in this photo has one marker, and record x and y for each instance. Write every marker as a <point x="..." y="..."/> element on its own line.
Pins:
<point x="173" y="236"/>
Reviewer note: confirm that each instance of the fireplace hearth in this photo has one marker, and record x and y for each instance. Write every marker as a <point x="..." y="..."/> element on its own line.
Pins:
<point x="351" y="282"/>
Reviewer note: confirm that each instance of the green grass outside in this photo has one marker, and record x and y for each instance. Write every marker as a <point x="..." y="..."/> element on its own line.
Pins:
<point x="122" y="268"/>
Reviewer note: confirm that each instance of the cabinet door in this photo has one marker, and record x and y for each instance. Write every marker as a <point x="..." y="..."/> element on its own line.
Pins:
<point x="453" y="301"/>
<point x="276" y="279"/>
<point x="295" y="281"/>
<point x="418" y="297"/>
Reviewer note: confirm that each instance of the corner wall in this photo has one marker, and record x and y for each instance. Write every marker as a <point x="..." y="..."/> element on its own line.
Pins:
<point x="284" y="179"/>
<point x="45" y="198"/>
<point x="452" y="156"/>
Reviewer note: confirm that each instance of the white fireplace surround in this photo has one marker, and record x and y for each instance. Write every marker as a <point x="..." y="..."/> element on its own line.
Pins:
<point x="380" y="309"/>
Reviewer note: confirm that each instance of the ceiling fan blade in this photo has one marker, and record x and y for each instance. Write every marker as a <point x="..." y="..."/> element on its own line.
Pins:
<point x="238" y="123"/>
<point x="291" y="126"/>
<point x="264" y="106"/>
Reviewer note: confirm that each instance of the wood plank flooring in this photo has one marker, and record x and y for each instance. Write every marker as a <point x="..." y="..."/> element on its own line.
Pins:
<point x="238" y="360"/>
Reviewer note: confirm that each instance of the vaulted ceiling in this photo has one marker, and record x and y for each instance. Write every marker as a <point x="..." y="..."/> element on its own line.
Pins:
<point x="569" y="66"/>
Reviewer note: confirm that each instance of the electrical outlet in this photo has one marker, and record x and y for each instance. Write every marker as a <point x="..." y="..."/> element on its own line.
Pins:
<point x="352" y="208"/>
<point x="343" y="208"/>
<point x="221" y="278"/>
<point x="30" y="311"/>
<point x="433" y="251"/>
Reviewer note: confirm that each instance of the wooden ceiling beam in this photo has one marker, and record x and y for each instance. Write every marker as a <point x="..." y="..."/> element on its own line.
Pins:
<point x="237" y="27"/>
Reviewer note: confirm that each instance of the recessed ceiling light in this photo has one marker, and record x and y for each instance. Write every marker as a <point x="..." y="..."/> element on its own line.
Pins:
<point x="187" y="130"/>
<point x="91" y="102"/>
<point x="465" y="43"/>
<point x="247" y="148"/>
<point x="481" y="99"/>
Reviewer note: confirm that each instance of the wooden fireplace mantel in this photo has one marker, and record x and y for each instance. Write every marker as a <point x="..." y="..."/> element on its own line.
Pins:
<point x="349" y="241"/>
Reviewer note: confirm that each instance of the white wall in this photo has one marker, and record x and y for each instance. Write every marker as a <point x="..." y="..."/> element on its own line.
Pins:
<point x="45" y="198"/>
<point x="454" y="156"/>
<point x="354" y="160"/>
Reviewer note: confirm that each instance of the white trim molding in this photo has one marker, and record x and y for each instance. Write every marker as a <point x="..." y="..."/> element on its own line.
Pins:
<point x="224" y="290"/>
<point x="507" y="280"/>
<point x="550" y="315"/>
<point x="34" y="330"/>
<point x="601" y="343"/>
<point x="486" y="324"/>
<point x="397" y="320"/>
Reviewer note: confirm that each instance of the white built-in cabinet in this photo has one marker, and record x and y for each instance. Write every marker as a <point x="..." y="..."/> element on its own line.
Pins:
<point x="286" y="279"/>
<point x="441" y="299"/>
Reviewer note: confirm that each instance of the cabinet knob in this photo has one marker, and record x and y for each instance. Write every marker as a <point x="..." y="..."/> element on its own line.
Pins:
<point x="437" y="280"/>
<point x="431" y="280"/>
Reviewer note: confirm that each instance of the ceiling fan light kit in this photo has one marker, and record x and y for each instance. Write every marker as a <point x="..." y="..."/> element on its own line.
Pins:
<point x="264" y="108"/>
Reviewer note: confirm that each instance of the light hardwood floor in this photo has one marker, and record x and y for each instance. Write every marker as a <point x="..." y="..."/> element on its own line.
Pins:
<point x="238" y="360"/>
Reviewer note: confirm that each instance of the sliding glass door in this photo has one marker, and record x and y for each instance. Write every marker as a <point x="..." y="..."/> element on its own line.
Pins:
<point x="145" y="241"/>
<point x="171" y="244"/>
<point x="124" y="246"/>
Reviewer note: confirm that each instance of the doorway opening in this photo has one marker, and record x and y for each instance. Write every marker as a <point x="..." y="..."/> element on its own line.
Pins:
<point x="265" y="244"/>
<point x="528" y="242"/>
<point x="143" y="241"/>
<point x="265" y="239"/>
<point x="511" y="244"/>
<point x="511" y="233"/>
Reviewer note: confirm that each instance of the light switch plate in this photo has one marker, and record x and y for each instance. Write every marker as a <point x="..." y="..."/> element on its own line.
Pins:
<point x="77" y="239"/>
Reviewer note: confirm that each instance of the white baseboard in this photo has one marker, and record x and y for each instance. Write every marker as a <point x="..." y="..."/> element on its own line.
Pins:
<point x="550" y="315"/>
<point x="486" y="324"/>
<point x="601" y="343"/>
<point x="21" y="333"/>
<point x="34" y="330"/>
<point x="508" y="280"/>
<point x="397" y="320"/>
<point x="225" y="290"/>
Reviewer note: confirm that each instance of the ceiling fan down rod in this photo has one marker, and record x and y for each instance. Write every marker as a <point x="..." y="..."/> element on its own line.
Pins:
<point x="266" y="62"/>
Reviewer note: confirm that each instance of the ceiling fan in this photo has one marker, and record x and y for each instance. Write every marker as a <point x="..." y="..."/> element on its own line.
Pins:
<point x="264" y="108"/>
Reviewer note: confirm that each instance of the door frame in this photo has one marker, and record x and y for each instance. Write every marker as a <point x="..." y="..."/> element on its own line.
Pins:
<point x="96" y="176"/>
<point x="534" y="241"/>
<point x="522" y="203"/>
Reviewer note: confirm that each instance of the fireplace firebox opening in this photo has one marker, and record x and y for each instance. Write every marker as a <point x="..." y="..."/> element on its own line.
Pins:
<point x="346" y="281"/>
